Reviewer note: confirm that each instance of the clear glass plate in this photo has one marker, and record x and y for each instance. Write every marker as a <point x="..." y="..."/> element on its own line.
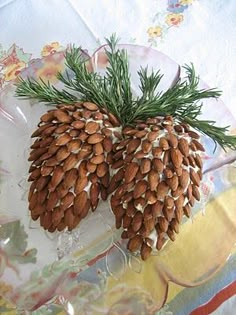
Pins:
<point x="89" y="270"/>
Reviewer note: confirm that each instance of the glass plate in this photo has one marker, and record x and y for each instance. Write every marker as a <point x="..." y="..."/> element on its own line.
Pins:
<point x="89" y="271"/>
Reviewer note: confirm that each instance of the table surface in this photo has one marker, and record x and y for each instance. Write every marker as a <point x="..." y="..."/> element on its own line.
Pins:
<point x="202" y="32"/>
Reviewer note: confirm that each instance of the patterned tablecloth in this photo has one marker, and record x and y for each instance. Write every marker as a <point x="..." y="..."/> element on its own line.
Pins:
<point x="202" y="32"/>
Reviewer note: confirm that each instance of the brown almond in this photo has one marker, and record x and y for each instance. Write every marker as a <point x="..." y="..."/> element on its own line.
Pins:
<point x="35" y="174"/>
<point x="130" y="171"/>
<point x="198" y="160"/>
<point x="98" y="148"/>
<point x="62" y="154"/>
<point x="157" y="152"/>
<point x="67" y="201"/>
<point x="37" y="153"/>
<point x="139" y="155"/>
<point x="193" y="134"/>
<point x="62" y="117"/>
<point x="90" y="106"/>
<point x="168" y="172"/>
<point x="93" y="178"/>
<point x="70" y="162"/>
<point x="97" y="159"/>
<point x="157" y="208"/>
<point x="107" y="144"/>
<point x="82" y="169"/>
<point x="184" y="179"/>
<point x="42" y="195"/>
<point x="70" y="178"/>
<point x="63" y="139"/>
<point x="146" y="146"/>
<point x="94" y="193"/>
<point x="133" y="145"/>
<point x="152" y="135"/>
<point x="95" y="138"/>
<point x="126" y="221"/>
<point x="171" y="235"/>
<point x="91" y="168"/>
<point x="147" y="213"/>
<point x="57" y="216"/>
<point x="119" y="211"/>
<point x="179" y="191"/>
<point x="61" y="191"/>
<point x="192" y="201"/>
<point x="163" y="143"/>
<point x="39" y="131"/>
<point x="141" y="133"/>
<point x="135" y="243"/>
<point x="184" y="147"/>
<point x="168" y="213"/>
<point x="46" y="142"/>
<point x="69" y="218"/>
<point x="151" y="197"/>
<point x="137" y="221"/>
<point x="74" y="145"/>
<point x="162" y="190"/>
<point x="75" y="133"/>
<point x="200" y="174"/>
<point x="179" y="171"/>
<point x="194" y="177"/>
<point x="47" y="117"/>
<point x="149" y="225"/>
<point x="107" y="132"/>
<point x="118" y="155"/>
<point x="160" y="243"/>
<point x="140" y="189"/>
<point x="158" y="165"/>
<point x="127" y="197"/>
<point x="128" y="158"/>
<point x="176" y="157"/>
<point x="124" y="235"/>
<point x="173" y="140"/>
<point x="189" y="192"/>
<point x="80" y="202"/>
<point x="191" y="161"/>
<point x="62" y="129"/>
<point x="117" y="164"/>
<point x="52" y="201"/>
<point x="153" y="180"/>
<point x="187" y="210"/>
<point x="179" y="202"/>
<point x="115" y="122"/>
<point x="83" y="136"/>
<point x="140" y="202"/>
<point x="169" y="202"/>
<point x="163" y="223"/>
<point x="104" y="193"/>
<point x="46" y="220"/>
<point x="38" y="210"/>
<point x="57" y="177"/>
<point x="130" y="211"/>
<point x="114" y="202"/>
<point x="128" y="131"/>
<point x="145" y="166"/>
<point x="78" y="124"/>
<point x="33" y="201"/>
<point x="173" y="182"/>
<point x="179" y="214"/>
<point x="196" y="193"/>
<point x="198" y="145"/>
<point x="53" y="148"/>
<point x="91" y="127"/>
<point x="49" y="131"/>
<point x="42" y="182"/>
<point x="102" y="169"/>
<point x="80" y="185"/>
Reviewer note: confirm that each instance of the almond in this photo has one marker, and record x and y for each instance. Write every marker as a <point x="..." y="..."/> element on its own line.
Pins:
<point x="146" y="146"/>
<point x="46" y="220"/>
<point x="147" y="213"/>
<point x="67" y="201"/>
<point x="163" y="223"/>
<point x="130" y="172"/>
<point x="179" y="214"/>
<point x="70" y="178"/>
<point x="97" y="159"/>
<point x="48" y="117"/>
<point x="48" y="131"/>
<point x="152" y="135"/>
<point x="145" y="166"/>
<point x="62" y="129"/>
<point x="119" y="211"/>
<point x="57" y="177"/>
<point x="128" y="131"/>
<point x="187" y="210"/>
<point x="102" y="169"/>
<point x="166" y="158"/>
<point x="94" y="193"/>
<point x="91" y="168"/>
<point x="157" y="152"/>
<point x="169" y="202"/>
<point x="162" y="190"/>
<point x="39" y="131"/>
<point x="46" y="142"/>
<point x="151" y="197"/>
<point x="194" y="177"/>
<point x="163" y="143"/>
<point x="141" y="133"/>
<point x="63" y="139"/>
<point x="62" y="116"/>
<point x="173" y="141"/>
<point x="38" y="209"/>
<point x="179" y="171"/>
<point x="160" y="242"/>
<point x="140" y="189"/>
<point x="80" y="202"/>
<point x="140" y="202"/>
<point x="196" y="193"/>
<point x="62" y="154"/>
<point x="80" y="185"/>
<point x="153" y="180"/>
<point x="95" y="138"/>
<point x="104" y="193"/>
<point x="149" y="225"/>
<point x="35" y="174"/>
<point x="74" y="145"/>
<point x="37" y="153"/>
<point x="61" y="226"/>
<point x="176" y="157"/>
<point x="42" y="195"/>
<point x="33" y="201"/>
<point x="52" y="201"/>
<point x="198" y="145"/>
<point x="69" y="218"/>
<point x="91" y="127"/>
<point x="158" y="165"/>
<point x="189" y="192"/>
<point x="198" y="160"/>
<point x="118" y="155"/>
<point x="171" y="235"/>
<point x="135" y="243"/>
<point x="191" y="161"/>
<point x="179" y="202"/>
<point x="168" y="172"/>
<point x="145" y="251"/>
<point x="179" y="191"/>
<point x="137" y="221"/>
<point x="157" y="208"/>
<point x="193" y="134"/>
<point x="174" y="225"/>
<point x="61" y="191"/>
<point x="168" y="213"/>
<point x="75" y="133"/>
<point x="192" y="201"/>
<point x="133" y="145"/>
<point x="184" y="147"/>
<point x="70" y="162"/>
<point x="57" y="216"/>
<point x="173" y="182"/>
<point x="126" y="221"/>
<point x="107" y="144"/>
<point x="184" y="179"/>
<point x="130" y="211"/>
<point x="90" y="106"/>
<point x="127" y="197"/>
<point x="98" y="148"/>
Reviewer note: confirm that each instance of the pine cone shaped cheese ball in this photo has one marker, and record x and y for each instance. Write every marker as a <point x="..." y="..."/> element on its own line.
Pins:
<point x="70" y="164"/>
<point x="158" y="170"/>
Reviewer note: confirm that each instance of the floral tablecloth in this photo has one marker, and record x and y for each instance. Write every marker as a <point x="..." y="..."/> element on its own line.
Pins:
<point x="202" y="32"/>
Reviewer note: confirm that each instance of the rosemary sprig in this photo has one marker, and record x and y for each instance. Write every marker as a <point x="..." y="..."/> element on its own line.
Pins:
<point x="113" y="92"/>
<point x="43" y="92"/>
